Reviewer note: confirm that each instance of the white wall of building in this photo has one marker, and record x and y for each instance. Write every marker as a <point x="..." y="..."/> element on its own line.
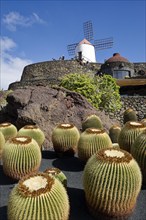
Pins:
<point x="88" y="52"/>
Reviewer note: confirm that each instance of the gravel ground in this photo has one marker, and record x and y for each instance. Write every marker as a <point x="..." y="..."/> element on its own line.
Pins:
<point x="73" y="169"/>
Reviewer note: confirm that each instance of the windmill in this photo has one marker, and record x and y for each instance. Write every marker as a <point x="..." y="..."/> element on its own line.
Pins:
<point x="85" y="50"/>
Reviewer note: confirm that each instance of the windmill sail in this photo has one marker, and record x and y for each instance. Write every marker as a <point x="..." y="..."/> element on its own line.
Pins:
<point x="103" y="43"/>
<point x="71" y="49"/>
<point x="88" y="30"/>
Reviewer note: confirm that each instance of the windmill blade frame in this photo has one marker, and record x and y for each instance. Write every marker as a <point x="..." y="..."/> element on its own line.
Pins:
<point x="88" y="30"/>
<point x="102" y="44"/>
<point x="71" y="49"/>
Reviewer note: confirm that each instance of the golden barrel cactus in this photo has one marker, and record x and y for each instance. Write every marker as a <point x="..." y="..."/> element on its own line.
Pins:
<point x="21" y="156"/>
<point x="112" y="182"/>
<point x="114" y="132"/>
<point x="129" y="133"/>
<point x="92" y="140"/>
<point x="38" y="197"/>
<point x="92" y="121"/>
<point x="34" y="132"/>
<point x="9" y="130"/>
<point x="57" y="173"/>
<point x="129" y="115"/>
<point x="65" y="139"/>
<point x="2" y="142"/>
<point x="138" y="151"/>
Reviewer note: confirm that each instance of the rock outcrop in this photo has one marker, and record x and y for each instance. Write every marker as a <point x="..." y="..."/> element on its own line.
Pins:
<point x="47" y="107"/>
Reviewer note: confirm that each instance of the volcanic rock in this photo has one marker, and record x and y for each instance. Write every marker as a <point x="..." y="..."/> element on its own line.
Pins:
<point x="47" y="107"/>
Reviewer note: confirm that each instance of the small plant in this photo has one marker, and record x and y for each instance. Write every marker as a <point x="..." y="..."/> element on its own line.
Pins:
<point x="129" y="115"/>
<point x="112" y="182"/>
<point x="34" y="132"/>
<point x="129" y="133"/>
<point x="21" y="156"/>
<point x="101" y="92"/>
<point x="38" y="197"/>
<point x="65" y="139"/>
<point x="92" y="140"/>
<point x="8" y="130"/>
<point x="92" y="121"/>
<point x="138" y="151"/>
<point x="57" y="173"/>
<point x="114" y="132"/>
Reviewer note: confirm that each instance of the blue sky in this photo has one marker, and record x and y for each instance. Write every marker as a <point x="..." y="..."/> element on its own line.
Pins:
<point x="36" y="31"/>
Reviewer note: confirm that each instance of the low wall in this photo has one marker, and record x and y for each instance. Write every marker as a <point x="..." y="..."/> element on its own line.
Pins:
<point x="137" y="103"/>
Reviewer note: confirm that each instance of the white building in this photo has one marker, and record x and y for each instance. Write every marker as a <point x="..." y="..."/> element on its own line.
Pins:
<point x="85" y="51"/>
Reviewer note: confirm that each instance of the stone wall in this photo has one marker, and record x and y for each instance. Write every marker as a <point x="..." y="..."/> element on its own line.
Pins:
<point x="137" y="103"/>
<point x="49" y="72"/>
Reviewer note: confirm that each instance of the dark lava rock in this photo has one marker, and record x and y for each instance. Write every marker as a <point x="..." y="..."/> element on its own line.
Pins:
<point x="47" y="107"/>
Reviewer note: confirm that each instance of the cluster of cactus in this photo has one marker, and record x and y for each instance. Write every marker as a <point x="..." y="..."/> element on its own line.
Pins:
<point x="38" y="196"/>
<point x="92" y="140"/>
<point x="34" y="132"/>
<point x="129" y="133"/>
<point x="114" y="132"/>
<point x="129" y="115"/>
<point x="21" y="156"/>
<point x="65" y="139"/>
<point x="9" y="130"/>
<point x="112" y="181"/>
<point x="92" y="121"/>
<point x="138" y="151"/>
<point x="57" y="173"/>
<point x="2" y="142"/>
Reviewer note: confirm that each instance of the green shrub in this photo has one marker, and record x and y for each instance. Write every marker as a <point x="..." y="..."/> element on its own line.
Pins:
<point x="101" y="92"/>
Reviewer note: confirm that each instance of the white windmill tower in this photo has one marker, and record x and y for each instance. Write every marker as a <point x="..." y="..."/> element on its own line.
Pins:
<point x="85" y="50"/>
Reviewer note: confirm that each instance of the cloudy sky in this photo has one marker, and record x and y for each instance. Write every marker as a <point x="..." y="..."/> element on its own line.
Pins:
<point x="36" y="31"/>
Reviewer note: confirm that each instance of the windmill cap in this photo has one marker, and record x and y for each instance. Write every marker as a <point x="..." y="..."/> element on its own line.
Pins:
<point x="117" y="58"/>
<point x="84" y="41"/>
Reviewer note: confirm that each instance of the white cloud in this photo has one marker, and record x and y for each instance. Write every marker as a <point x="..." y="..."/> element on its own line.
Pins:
<point x="14" y="19"/>
<point x="11" y="66"/>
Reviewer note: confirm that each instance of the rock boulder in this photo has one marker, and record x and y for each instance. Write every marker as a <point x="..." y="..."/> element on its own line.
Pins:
<point x="47" y="107"/>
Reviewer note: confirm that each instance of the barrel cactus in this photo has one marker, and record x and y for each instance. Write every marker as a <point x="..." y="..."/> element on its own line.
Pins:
<point x="129" y="133"/>
<point x="92" y="140"/>
<point x="114" y="132"/>
<point x="129" y="115"/>
<point x="57" y="173"/>
<point x="9" y="130"/>
<point x="143" y="121"/>
<point x="38" y="196"/>
<point x="112" y="181"/>
<point x="2" y="142"/>
<point x="21" y="156"/>
<point x="92" y="121"/>
<point x="65" y="139"/>
<point x="34" y="132"/>
<point x="138" y="151"/>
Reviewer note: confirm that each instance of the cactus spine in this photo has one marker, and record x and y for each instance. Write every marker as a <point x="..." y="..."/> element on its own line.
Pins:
<point x="138" y="151"/>
<point x="2" y="142"/>
<point x="57" y="173"/>
<point x="65" y="139"/>
<point x="8" y="130"/>
<point x="129" y="115"/>
<point x="38" y="197"/>
<point x="112" y="182"/>
<point x="34" y="132"/>
<point x="21" y="156"/>
<point x="92" y="140"/>
<point x="92" y="121"/>
<point x="129" y="133"/>
<point x="114" y="132"/>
